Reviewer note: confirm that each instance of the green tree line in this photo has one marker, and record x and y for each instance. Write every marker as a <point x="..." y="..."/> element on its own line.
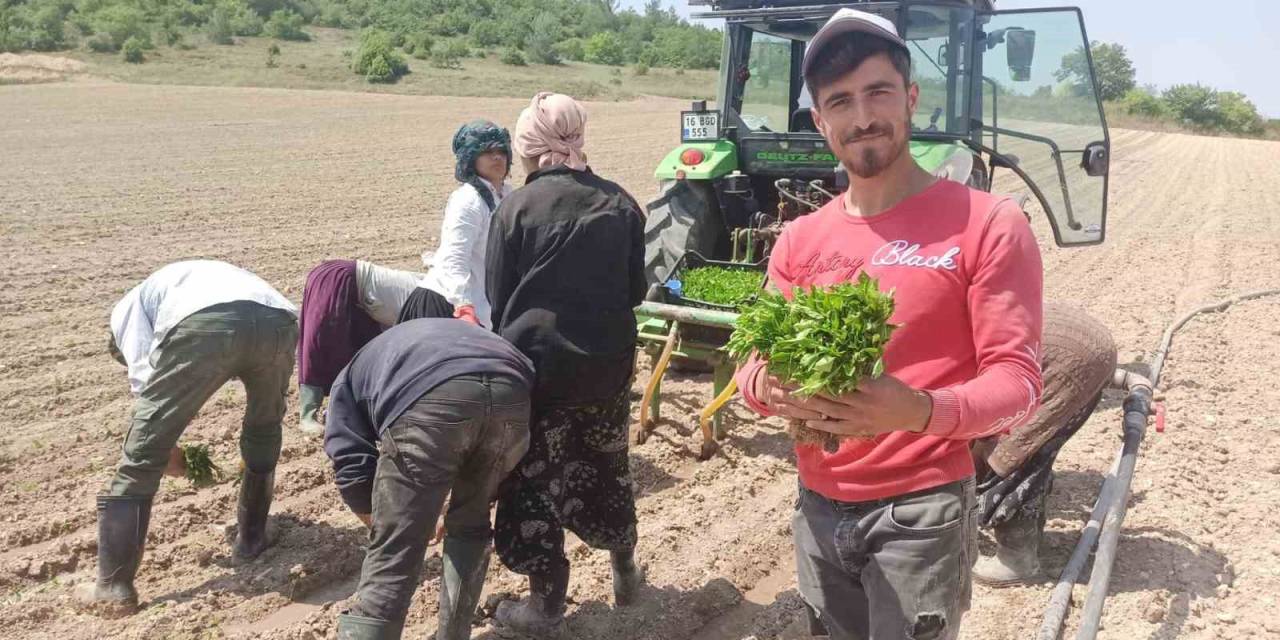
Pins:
<point x="546" y="31"/>
<point x="1192" y="106"/>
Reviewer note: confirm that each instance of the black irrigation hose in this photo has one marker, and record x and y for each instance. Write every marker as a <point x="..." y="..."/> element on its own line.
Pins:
<point x="1113" y="498"/>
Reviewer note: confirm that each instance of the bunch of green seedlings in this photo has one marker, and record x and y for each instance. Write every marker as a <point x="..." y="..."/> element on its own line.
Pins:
<point x="721" y="285"/>
<point x="201" y="470"/>
<point x="823" y="340"/>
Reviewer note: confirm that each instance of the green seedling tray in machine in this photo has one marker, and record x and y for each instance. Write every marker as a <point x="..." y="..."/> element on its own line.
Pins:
<point x="694" y="274"/>
<point x="714" y="292"/>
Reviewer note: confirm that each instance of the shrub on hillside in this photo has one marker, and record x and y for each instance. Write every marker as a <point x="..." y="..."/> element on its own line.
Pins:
<point x="486" y="33"/>
<point x="131" y="51"/>
<point x="1140" y="102"/>
<point x="286" y="25"/>
<point x="121" y="22"/>
<point x="218" y="29"/>
<point x="604" y="48"/>
<point x="100" y="43"/>
<point x="376" y="58"/>
<point x="641" y="69"/>
<point x="571" y="49"/>
<point x="513" y="57"/>
<point x="449" y="55"/>
<point x="419" y="45"/>
<point x="541" y="43"/>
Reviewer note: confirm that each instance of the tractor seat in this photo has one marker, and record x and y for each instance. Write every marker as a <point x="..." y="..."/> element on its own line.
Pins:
<point x="802" y="120"/>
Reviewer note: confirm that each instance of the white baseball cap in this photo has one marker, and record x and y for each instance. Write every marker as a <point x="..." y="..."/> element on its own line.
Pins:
<point x="849" y="21"/>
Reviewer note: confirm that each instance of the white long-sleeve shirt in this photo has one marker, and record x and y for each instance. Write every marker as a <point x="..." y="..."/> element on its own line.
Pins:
<point x="456" y="269"/>
<point x="142" y="319"/>
<point x="383" y="291"/>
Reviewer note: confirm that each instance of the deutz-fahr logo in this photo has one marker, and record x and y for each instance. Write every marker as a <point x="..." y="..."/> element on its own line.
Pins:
<point x="796" y="157"/>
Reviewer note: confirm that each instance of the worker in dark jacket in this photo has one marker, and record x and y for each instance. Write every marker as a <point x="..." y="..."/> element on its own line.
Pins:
<point x="429" y="407"/>
<point x="565" y="271"/>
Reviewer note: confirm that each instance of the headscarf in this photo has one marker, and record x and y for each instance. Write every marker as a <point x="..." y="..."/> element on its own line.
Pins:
<point x="471" y="140"/>
<point x="551" y="130"/>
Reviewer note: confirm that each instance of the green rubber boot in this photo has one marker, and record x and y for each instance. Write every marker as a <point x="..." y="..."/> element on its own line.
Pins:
<point x="352" y="627"/>
<point x="309" y="400"/>
<point x="122" y="534"/>
<point x="465" y="562"/>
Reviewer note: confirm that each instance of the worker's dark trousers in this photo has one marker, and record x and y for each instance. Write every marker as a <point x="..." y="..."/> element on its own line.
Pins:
<point x="892" y="569"/>
<point x="465" y="435"/>
<point x="244" y="340"/>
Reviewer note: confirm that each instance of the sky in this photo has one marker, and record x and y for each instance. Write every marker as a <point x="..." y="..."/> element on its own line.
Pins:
<point x="1175" y="41"/>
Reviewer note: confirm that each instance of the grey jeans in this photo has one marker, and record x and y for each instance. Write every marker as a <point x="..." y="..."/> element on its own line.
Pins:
<point x="892" y="569"/>
<point x="463" y="436"/>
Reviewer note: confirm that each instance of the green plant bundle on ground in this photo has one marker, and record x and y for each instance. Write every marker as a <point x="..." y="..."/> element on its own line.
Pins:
<point x="201" y="470"/>
<point x="822" y="340"/>
<point x="720" y="285"/>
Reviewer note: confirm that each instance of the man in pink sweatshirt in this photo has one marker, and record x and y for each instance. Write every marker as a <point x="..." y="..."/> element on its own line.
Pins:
<point x="884" y="528"/>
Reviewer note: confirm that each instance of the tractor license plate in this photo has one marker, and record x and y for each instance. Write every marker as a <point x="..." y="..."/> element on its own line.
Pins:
<point x="699" y="126"/>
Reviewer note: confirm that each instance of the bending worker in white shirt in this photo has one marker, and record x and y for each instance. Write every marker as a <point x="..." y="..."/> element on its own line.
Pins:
<point x="454" y="286"/>
<point x="345" y="304"/>
<point x="184" y="332"/>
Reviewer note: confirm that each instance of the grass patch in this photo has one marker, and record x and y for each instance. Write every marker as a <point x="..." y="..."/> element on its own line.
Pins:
<point x="320" y="64"/>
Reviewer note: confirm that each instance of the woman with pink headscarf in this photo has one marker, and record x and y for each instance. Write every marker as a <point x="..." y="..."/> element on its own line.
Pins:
<point x="565" y="269"/>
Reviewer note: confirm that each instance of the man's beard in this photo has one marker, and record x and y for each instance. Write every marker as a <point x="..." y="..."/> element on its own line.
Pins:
<point x="870" y="161"/>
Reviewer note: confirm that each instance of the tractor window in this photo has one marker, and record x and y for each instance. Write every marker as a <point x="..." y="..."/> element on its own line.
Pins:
<point x="766" y="97"/>
<point x="937" y="38"/>
<point x="1040" y="111"/>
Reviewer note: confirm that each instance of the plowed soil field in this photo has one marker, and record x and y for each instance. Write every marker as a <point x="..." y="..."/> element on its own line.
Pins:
<point x="100" y="184"/>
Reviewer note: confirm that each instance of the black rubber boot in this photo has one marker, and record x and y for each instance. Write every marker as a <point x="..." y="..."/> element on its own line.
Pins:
<point x="353" y="627"/>
<point x="256" y="490"/>
<point x="542" y="614"/>
<point x="627" y="577"/>
<point x="1017" y="558"/>
<point x="122" y="535"/>
<point x="465" y="562"/>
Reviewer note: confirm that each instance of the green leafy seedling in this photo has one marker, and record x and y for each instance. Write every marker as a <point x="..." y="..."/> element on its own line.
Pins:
<point x="720" y="285"/>
<point x="823" y="340"/>
<point x="201" y="470"/>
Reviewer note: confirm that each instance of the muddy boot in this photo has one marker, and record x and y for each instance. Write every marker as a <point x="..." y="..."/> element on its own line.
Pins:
<point x="256" y="490"/>
<point x="1017" y="558"/>
<point x="122" y="534"/>
<point x="465" y="563"/>
<point x="352" y="627"/>
<point x="309" y="399"/>
<point x="627" y="577"/>
<point x="542" y="614"/>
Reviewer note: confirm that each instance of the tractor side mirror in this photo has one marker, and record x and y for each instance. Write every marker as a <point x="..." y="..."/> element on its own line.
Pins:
<point x="1095" y="159"/>
<point x="1020" y="48"/>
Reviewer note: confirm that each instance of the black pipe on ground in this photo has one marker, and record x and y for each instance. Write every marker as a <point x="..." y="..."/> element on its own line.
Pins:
<point x="1113" y="497"/>
<point x="1137" y="406"/>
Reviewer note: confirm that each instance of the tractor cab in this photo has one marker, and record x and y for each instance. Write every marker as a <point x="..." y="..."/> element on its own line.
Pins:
<point x="999" y="91"/>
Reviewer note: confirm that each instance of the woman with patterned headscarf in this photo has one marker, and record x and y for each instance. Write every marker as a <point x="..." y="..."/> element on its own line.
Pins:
<point x="566" y="270"/>
<point x="455" y="282"/>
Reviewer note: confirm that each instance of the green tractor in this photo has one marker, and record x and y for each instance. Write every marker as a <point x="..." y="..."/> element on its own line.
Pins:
<point x="1000" y="91"/>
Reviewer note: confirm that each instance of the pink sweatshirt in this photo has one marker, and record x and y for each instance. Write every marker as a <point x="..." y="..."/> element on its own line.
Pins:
<point x="967" y="278"/>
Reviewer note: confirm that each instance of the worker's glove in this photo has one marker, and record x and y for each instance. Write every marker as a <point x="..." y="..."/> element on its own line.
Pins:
<point x="468" y="313"/>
